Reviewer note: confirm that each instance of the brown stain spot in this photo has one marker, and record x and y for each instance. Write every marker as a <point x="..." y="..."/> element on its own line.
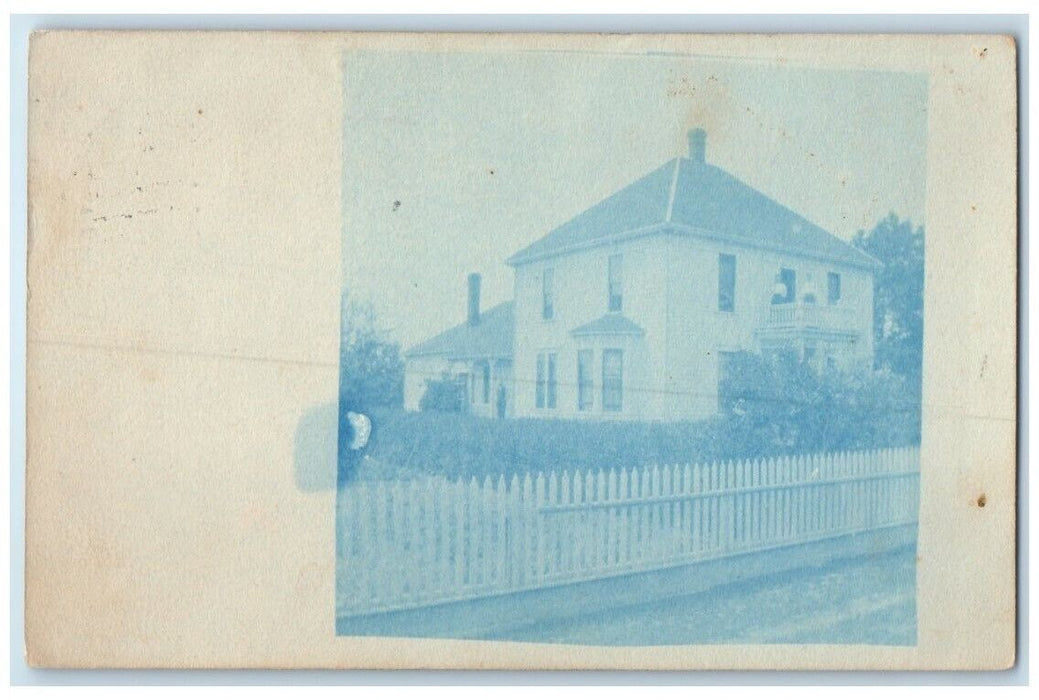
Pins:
<point x="256" y="517"/>
<point x="310" y="578"/>
<point x="200" y="112"/>
<point x="491" y="171"/>
<point x="982" y="501"/>
<point x="680" y="86"/>
<point x="980" y="53"/>
<point x="973" y="207"/>
<point x="396" y="204"/>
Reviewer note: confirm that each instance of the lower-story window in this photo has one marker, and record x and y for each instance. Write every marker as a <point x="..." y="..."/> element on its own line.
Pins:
<point x="464" y="389"/>
<point x="551" y="398"/>
<point x="612" y="379"/>
<point x="545" y="383"/>
<point x="539" y="383"/>
<point x="584" y="380"/>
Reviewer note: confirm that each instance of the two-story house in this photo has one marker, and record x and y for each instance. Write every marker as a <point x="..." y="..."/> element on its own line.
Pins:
<point x="631" y="309"/>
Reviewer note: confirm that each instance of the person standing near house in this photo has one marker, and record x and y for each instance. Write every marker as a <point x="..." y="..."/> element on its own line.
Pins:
<point x="501" y="401"/>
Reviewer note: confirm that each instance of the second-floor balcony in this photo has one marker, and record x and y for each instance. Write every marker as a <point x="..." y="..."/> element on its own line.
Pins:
<point x="799" y="315"/>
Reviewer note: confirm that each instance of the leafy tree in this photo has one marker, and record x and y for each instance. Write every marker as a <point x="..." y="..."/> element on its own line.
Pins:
<point x="371" y="367"/>
<point x="371" y="376"/>
<point x="898" y="301"/>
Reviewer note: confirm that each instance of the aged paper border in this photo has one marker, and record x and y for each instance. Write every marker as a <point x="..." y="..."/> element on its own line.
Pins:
<point x="72" y="338"/>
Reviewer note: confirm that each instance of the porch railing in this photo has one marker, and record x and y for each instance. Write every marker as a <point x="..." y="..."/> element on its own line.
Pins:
<point x="801" y="315"/>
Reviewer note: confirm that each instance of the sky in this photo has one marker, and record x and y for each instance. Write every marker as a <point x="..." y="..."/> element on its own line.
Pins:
<point x="452" y="162"/>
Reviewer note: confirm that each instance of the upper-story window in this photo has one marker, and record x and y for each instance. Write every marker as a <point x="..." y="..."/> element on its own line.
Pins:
<point x="726" y="282"/>
<point x="548" y="293"/>
<point x="786" y="290"/>
<point x="833" y="288"/>
<point x="616" y="284"/>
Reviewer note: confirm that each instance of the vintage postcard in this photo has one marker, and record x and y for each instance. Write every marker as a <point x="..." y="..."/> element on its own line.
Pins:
<point x="521" y="351"/>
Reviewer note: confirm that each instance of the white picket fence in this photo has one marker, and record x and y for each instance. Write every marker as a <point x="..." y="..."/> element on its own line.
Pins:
<point x="411" y="544"/>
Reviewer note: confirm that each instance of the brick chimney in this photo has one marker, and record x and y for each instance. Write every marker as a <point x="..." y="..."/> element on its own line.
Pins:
<point x="474" y="298"/>
<point x="697" y="145"/>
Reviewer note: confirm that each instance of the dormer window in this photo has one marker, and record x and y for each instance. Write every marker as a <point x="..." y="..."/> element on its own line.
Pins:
<point x="615" y="283"/>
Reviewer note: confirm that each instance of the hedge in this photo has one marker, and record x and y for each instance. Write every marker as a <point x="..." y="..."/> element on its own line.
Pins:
<point x="405" y="445"/>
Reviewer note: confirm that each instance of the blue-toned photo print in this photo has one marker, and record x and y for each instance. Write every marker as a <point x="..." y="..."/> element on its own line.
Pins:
<point x="631" y="349"/>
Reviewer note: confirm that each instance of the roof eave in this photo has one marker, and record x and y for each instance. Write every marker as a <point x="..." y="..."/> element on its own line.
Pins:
<point x="480" y="356"/>
<point x="586" y="334"/>
<point x="422" y="353"/>
<point x="452" y="355"/>
<point x="520" y="259"/>
<point x="871" y="265"/>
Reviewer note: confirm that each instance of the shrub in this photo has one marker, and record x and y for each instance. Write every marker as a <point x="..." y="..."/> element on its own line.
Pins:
<point x="443" y="395"/>
<point x="777" y="408"/>
<point x="782" y="405"/>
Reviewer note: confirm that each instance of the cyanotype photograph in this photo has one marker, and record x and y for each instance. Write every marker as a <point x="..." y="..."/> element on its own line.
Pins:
<point x="634" y="352"/>
<point x="631" y="349"/>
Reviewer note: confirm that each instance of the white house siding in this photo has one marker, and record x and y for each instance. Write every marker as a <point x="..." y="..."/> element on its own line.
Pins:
<point x="698" y="332"/>
<point x="670" y="291"/>
<point x="581" y="296"/>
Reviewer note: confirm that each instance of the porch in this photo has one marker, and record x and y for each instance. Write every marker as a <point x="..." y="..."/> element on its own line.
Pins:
<point x="824" y="335"/>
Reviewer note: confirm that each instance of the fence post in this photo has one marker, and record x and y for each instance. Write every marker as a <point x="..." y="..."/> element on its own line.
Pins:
<point x="411" y="537"/>
<point x="601" y="520"/>
<point x="539" y="529"/>
<point x="503" y="498"/>
<point x="487" y="521"/>
<point x="553" y="558"/>
<point x="644" y="516"/>
<point x="655" y="515"/>
<point x="578" y="543"/>
<point x="624" y="520"/>
<point x="523" y="529"/>
<point x="564" y="535"/>
<point x="610" y="557"/>
<point x="471" y="532"/>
